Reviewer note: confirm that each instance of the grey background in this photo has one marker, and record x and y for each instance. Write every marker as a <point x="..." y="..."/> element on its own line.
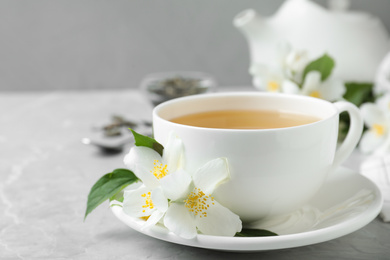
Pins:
<point x="85" y="44"/>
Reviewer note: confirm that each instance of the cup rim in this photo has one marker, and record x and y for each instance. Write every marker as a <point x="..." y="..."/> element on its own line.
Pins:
<point x="156" y="110"/>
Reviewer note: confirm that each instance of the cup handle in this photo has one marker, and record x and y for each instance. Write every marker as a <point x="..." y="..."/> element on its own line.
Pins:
<point x="354" y="132"/>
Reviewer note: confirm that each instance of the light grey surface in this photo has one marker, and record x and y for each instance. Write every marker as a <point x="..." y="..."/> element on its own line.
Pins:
<point x="46" y="174"/>
<point x="99" y="44"/>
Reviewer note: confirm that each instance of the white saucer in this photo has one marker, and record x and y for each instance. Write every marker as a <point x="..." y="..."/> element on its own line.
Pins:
<point x="347" y="202"/>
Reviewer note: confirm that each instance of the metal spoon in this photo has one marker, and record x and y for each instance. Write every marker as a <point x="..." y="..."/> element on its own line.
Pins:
<point x="107" y="146"/>
<point x="115" y="144"/>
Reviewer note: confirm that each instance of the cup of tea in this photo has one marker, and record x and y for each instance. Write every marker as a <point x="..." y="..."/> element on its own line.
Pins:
<point x="280" y="148"/>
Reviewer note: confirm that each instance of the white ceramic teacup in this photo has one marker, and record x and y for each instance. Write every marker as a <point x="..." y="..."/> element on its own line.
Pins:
<point x="273" y="171"/>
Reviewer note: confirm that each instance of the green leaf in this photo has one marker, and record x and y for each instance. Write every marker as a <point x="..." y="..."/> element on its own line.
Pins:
<point x="108" y="186"/>
<point x="142" y="140"/>
<point x="359" y="93"/>
<point x="324" y="65"/>
<point x="118" y="197"/>
<point x="246" y="232"/>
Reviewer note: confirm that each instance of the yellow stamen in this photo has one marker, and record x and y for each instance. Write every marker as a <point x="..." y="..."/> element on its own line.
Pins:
<point x="198" y="202"/>
<point x="273" y="86"/>
<point x="145" y="218"/>
<point x="315" y="94"/>
<point x="159" y="170"/>
<point x="148" y="201"/>
<point x="378" y="129"/>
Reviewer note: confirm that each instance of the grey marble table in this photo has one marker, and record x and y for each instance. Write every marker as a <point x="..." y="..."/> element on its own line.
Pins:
<point x="46" y="174"/>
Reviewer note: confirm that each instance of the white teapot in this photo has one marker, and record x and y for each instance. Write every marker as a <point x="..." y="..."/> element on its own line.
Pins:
<point x="356" y="41"/>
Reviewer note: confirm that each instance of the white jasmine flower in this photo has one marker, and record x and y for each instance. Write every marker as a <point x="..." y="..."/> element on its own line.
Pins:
<point x="285" y="74"/>
<point x="192" y="207"/>
<point x="148" y="201"/>
<point x="294" y="64"/>
<point x="296" y="61"/>
<point x="331" y="89"/>
<point x="384" y="103"/>
<point x="377" y="119"/>
<point x="269" y="79"/>
<point x="145" y="203"/>
<point x="292" y="61"/>
<point x="382" y="77"/>
<point x="170" y="195"/>
<point x="150" y="167"/>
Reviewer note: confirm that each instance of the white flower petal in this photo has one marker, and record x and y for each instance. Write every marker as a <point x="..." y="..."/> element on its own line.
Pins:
<point x="176" y="185"/>
<point x="312" y="81"/>
<point x="297" y="60"/>
<point x="372" y="114"/>
<point x="258" y="83"/>
<point x="140" y="160"/>
<point x="332" y="89"/>
<point x="160" y="202"/>
<point x="173" y="153"/>
<point x="382" y="78"/>
<point x="133" y="186"/>
<point x="210" y="175"/>
<point x="179" y="221"/>
<point x="219" y="221"/>
<point x="370" y="142"/>
<point x="290" y="87"/>
<point x="274" y="82"/>
<point x="134" y="202"/>
<point x="153" y="219"/>
<point x="384" y="103"/>
<point x="267" y="77"/>
<point x="259" y="74"/>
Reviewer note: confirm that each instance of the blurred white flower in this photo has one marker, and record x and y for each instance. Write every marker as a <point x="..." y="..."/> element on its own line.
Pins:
<point x="382" y="78"/>
<point x="269" y="79"/>
<point x="376" y="117"/>
<point x="384" y="102"/>
<point x="330" y="89"/>
<point x="295" y="63"/>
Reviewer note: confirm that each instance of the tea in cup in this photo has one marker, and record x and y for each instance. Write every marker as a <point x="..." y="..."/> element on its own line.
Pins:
<point x="279" y="147"/>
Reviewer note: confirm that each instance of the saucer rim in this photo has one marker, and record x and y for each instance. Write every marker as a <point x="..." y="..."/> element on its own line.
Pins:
<point x="255" y="244"/>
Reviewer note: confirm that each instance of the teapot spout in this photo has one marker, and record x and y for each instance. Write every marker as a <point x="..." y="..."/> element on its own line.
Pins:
<point x="248" y="22"/>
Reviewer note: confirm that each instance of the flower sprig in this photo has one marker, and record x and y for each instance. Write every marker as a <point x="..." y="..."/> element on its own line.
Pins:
<point x="295" y="73"/>
<point x="376" y="116"/>
<point x="159" y="189"/>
